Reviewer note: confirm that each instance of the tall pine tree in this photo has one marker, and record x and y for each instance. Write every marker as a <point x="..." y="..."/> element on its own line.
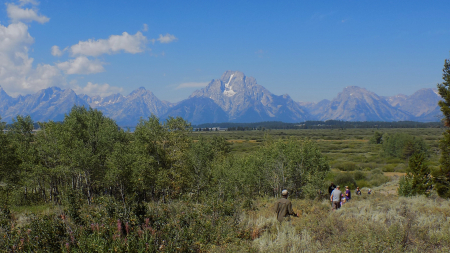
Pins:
<point x="442" y="175"/>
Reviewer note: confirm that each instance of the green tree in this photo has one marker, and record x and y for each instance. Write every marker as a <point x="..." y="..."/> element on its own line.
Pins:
<point x="402" y="145"/>
<point x="442" y="175"/>
<point x="376" y="138"/>
<point x="9" y="161"/>
<point x="418" y="178"/>
<point x="162" y="156"/>
<point x="88" y="139"/>
<point x="22" y="137"/>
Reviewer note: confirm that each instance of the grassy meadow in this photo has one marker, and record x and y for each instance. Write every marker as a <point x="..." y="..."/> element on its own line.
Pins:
<point x="380" y="222"/>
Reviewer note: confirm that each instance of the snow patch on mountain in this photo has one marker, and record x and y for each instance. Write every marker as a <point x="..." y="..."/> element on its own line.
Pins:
<point x="229" y="92"/>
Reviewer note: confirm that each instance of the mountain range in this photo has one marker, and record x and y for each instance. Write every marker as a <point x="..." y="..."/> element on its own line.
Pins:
<point x="232" y="98"/>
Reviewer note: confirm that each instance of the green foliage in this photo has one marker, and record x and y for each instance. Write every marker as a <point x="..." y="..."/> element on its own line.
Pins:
<point x="359" y="175"/>
<point x="345" y="179"/>
<point x="9" y="159"/>
<point x="346" y="166"/>
<point x="376" y="138"/>
<point x="442" y="175"/>
<point x="405" y="187"/>
<point x="402" y="145"/>
<point x="418" y="178"/>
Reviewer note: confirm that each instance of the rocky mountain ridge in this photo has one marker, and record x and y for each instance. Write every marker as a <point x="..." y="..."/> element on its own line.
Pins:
<point x="232" y="98"/>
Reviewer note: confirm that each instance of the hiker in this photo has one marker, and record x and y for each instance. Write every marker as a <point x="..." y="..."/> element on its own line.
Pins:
<point x="283" y="207"/>
<point x="358" y="191"/>
<point x="336" y="198"/>
<point x="348" y="194"/>
<point x="331" y="188"/>
<point x="369" y="192"/>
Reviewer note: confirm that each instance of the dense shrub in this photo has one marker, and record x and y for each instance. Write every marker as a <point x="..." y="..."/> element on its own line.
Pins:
<point x="346" y="166"/>
<point x="345" y="179"/>
<point x="389" y="168"/>
<point x="405" y="188"/>
<point x="376" y="138"/>
<point x="178" y="226"/>
<point x="359" y="175"/>
<point x="402" y="145"/>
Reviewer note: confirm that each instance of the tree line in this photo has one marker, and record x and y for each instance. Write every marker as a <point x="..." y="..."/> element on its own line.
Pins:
<point x="328" y="124"/>
<point x="90" y="155"/>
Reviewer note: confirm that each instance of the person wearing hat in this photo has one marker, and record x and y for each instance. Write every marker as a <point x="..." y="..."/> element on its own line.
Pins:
<point x="283" y="207"/>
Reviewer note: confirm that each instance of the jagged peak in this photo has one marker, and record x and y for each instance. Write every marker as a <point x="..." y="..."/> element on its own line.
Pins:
<point x="3" y="93"/>
<point x="226" y="76"/>
<point x="140" y="90"/>
<point x="53" y="88"/>
<point x="355" y="88"/>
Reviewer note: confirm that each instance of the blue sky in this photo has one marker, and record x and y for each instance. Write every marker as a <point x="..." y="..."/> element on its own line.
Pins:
<point x="310" y="50"/>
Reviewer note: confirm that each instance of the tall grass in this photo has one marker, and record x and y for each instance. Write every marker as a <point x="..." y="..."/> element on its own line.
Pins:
<point x="366" y="224"/>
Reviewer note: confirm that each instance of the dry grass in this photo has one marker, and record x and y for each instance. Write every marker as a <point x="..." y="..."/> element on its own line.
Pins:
<point x="370" y="223"/>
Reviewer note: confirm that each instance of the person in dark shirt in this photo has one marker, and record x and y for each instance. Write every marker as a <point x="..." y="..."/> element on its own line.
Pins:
<point x="348" y="194"/>
<point x="358" y="191"/>
<point x="283" y="207"/>
<point x="331" y="188"/>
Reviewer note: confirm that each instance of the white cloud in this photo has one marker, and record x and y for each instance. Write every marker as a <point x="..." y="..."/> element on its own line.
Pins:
<point x="44" y="76"/>
<point x="145" y="28"/>
<point x="56" y="51"/>
<point x="191" y="85"/>
<point x="129" y="43"/>
<point x="24" y="2"/>
<point x="14" y="37"/>
<point x="81" y="65"/>
<point x="102" y="90"/>
<point x="17" y="75"/>
<point x="17" y="14"/>
<point x="167" y="38"/>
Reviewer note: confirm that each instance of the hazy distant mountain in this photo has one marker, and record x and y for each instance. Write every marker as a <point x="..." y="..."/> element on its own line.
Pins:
<point x="127" y="110"/>
<point x="232" y="98"/>
<point x="48" y="104"/>
<point x="198" y="110"/>
<point x="5" y="101"/>
<point x="315" y="109"/>
<point x="246" y="101"/>
<point x="422" y="104"/>
<point x="358" y="104"/>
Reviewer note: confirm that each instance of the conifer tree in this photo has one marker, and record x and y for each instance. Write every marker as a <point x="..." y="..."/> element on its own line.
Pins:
<point x="418" y="179"/>
<point x="442" y="175"/>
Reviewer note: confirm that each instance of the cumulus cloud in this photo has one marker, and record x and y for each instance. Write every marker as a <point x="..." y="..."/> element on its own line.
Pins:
<point x="102" y="90"/>
<point x="145" y="28"/>
<point x="17" y="75"/>
<point x="56" y="51"/>
<point x="128" y="43"/>
<point x="191" y="85"/>
<point x="17" y="14"/>
<point x="20" y="75"/>
<point x="14" y="37"/>
<point x="167" y="38"/>
<point x="81" y="65"/>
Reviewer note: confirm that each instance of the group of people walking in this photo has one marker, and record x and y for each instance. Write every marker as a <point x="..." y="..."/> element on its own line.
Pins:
<point x="283" y="207"/>
<point x="339" y="198"/>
